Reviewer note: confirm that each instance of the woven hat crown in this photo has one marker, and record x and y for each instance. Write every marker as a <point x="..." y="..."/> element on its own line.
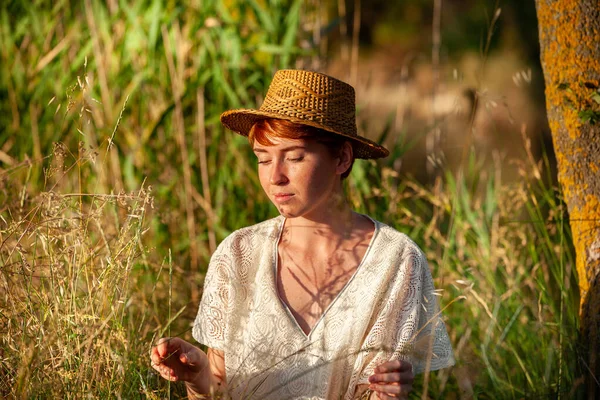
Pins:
<point x="308" y="98"/>
<point x="313" y="97"/>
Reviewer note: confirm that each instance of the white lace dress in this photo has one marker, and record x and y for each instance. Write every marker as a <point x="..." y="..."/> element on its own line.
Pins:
<point x="387" y="310"/>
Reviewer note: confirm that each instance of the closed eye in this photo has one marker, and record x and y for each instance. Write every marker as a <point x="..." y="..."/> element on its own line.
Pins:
<point x="296" y="159"/>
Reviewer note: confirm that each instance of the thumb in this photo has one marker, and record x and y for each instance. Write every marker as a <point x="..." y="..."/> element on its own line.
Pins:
<point x="189" y="358"/>
<point x="161" y="346"/>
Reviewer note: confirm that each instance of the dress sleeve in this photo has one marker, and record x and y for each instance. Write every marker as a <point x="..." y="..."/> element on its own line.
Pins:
<point x="431" y="349"/>
<point x="210" y="326"/>
<point x="407" y="324"/>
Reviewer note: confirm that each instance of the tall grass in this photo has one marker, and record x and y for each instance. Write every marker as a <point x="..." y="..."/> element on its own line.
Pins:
<point x="67" y="71"/>
<point x="506" y="248"/>
<point x="121" y="93"/>
<point x="73" y="307"/>
<point x="117" y="182"/>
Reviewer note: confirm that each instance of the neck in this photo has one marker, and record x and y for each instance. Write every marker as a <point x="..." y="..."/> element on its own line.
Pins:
<point x="323" y="228"/>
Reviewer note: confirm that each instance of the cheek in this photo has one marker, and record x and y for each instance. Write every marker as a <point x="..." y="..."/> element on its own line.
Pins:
<point x="263" y="177"/>
<point x="319" y="178"/>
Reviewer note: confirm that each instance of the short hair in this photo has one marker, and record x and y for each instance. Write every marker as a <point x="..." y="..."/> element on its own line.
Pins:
<point x="266" y="129"/>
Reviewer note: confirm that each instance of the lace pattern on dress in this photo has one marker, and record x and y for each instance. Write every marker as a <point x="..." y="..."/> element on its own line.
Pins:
<point x="387" y="311"/>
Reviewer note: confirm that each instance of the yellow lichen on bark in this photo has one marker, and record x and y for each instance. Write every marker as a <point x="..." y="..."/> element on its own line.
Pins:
<point x="563" y="58"/>
<point x="569" y="44"/>
<point x="584" y="224"/>
<point x="570" y="54"/>
<point x="579" y="218"/>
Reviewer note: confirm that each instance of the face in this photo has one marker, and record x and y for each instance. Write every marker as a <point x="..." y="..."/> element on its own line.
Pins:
<point x="300" y="176"/>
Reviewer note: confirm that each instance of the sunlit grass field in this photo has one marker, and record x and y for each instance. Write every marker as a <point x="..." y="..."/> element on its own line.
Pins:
<point x="117" y="182"/>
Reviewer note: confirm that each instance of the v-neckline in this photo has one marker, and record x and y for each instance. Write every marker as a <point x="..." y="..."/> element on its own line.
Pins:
<point x="337" y="296"/>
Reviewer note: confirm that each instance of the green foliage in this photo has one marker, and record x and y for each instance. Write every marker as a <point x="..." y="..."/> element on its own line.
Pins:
<point x="587" y="106"/>
<point x="74" y="66"/>
<point x="590" y="116"/>
<point x="507" y="249"/>
<point x="112" y="156"/>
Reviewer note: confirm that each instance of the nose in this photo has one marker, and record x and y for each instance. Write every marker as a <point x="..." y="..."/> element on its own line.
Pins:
<point x="278" y="175"/>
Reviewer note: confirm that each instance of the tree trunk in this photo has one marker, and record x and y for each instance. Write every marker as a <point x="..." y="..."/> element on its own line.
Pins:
<point x="570" y="54"/>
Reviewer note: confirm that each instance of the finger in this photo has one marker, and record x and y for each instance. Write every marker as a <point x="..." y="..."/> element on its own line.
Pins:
<point x="388" y="366"/>
<point x="170" y="376"/>
<point x="381" y="396"/>
<point x="392" y="390"/>
<point x="154" y="357"/>
<point x="156" y="366"/>
<point x="193" y="358"/>
<point x="393" y="366"/>
<point x="166" y="373"/>
<point x="388" y="397"/>
<point x="386" y="389"/>
<point x="162" y="346"/>
<point x="399" y="377"/>
<point x="189" y="358"/>
<point x="171" y="347"/>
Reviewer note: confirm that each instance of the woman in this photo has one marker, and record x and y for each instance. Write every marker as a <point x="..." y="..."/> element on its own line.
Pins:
<point x="320" y="302"/>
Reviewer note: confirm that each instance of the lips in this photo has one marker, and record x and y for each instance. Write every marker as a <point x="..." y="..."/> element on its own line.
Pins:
<point x="282" y="197"/>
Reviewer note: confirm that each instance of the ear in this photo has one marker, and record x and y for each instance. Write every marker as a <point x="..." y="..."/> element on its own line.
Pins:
<point x="345" y="158"/>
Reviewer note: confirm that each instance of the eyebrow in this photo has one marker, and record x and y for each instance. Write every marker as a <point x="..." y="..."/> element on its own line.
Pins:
<point x="285" y="149"/>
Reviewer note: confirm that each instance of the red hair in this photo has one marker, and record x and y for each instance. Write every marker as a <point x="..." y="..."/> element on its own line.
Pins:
<point x="265" y="130"/>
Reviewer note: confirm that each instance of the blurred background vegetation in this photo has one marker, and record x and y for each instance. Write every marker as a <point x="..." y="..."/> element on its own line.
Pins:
<point x="117" y="180"/>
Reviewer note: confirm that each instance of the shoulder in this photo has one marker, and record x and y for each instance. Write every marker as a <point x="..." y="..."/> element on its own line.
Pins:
<point x="251" y="237"/>
<point x="396" y="242"/>
<point x="245" y="248"/>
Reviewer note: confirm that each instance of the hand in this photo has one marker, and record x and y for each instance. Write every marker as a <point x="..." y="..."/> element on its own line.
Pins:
<point x="392" y="380"/>
<point x="177" y="360"/>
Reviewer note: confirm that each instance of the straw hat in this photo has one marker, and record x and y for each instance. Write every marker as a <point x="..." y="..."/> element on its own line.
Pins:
<point x="308" y="98"/>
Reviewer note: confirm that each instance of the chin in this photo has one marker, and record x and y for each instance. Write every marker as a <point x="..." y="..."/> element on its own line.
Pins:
<point x="288" y="213"/>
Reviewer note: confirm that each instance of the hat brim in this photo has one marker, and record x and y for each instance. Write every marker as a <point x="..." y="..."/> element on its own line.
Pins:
<point x="242" y="120"/>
